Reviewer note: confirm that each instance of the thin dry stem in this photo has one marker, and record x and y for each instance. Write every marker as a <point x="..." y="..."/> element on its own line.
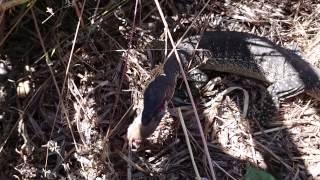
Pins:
<point x="195" y="168"/>
<point x="189" y="93"/>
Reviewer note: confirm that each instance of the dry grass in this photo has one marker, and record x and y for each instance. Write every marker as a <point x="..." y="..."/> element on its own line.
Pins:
<point x="72" y="77"/>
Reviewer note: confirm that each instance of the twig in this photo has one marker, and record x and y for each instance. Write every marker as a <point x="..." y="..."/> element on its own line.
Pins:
<point x="270" y="130"/>
<point x="129" y="167"/>
<point x="188" y="144"/>
<point x="60" y="93"/>
<point x="129" y="161"/>
<point x="163" y="151"/>
<point x="228" y="90"/>
<point x="124" y="69"/>
<point x="10" y="4"/>
<point x="189" y="92"/>
<point x="79" y="14"/>
<point x="185" y="33"/>
<point x="273" y="154"/>
<point x="15" y="25"/>
<point x="129" y="110"/>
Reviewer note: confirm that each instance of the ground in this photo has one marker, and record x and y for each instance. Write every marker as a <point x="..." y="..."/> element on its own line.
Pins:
<point x="72" y="78"/>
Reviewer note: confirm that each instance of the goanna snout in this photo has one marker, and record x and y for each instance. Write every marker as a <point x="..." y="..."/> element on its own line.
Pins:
<point x="138" y="130"/>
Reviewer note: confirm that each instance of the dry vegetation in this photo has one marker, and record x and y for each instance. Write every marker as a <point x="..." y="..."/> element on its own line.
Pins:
<point x="72" y="77"/>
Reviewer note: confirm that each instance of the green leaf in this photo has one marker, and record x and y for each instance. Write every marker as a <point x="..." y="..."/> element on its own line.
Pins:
<point x="257" y="174"/>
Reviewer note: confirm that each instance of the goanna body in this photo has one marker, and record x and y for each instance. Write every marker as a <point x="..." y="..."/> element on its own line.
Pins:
<point x="254" y="57"/>
<point x="238" y="53"/>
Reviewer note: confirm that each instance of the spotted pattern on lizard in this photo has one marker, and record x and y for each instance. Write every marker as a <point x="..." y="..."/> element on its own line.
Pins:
<point x="242" y="54"/>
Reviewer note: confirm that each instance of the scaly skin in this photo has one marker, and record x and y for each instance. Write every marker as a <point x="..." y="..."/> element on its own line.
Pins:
<point x="156" y="97"/>
<point x="238" y="53"/>
<point x="256" y="57"/>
